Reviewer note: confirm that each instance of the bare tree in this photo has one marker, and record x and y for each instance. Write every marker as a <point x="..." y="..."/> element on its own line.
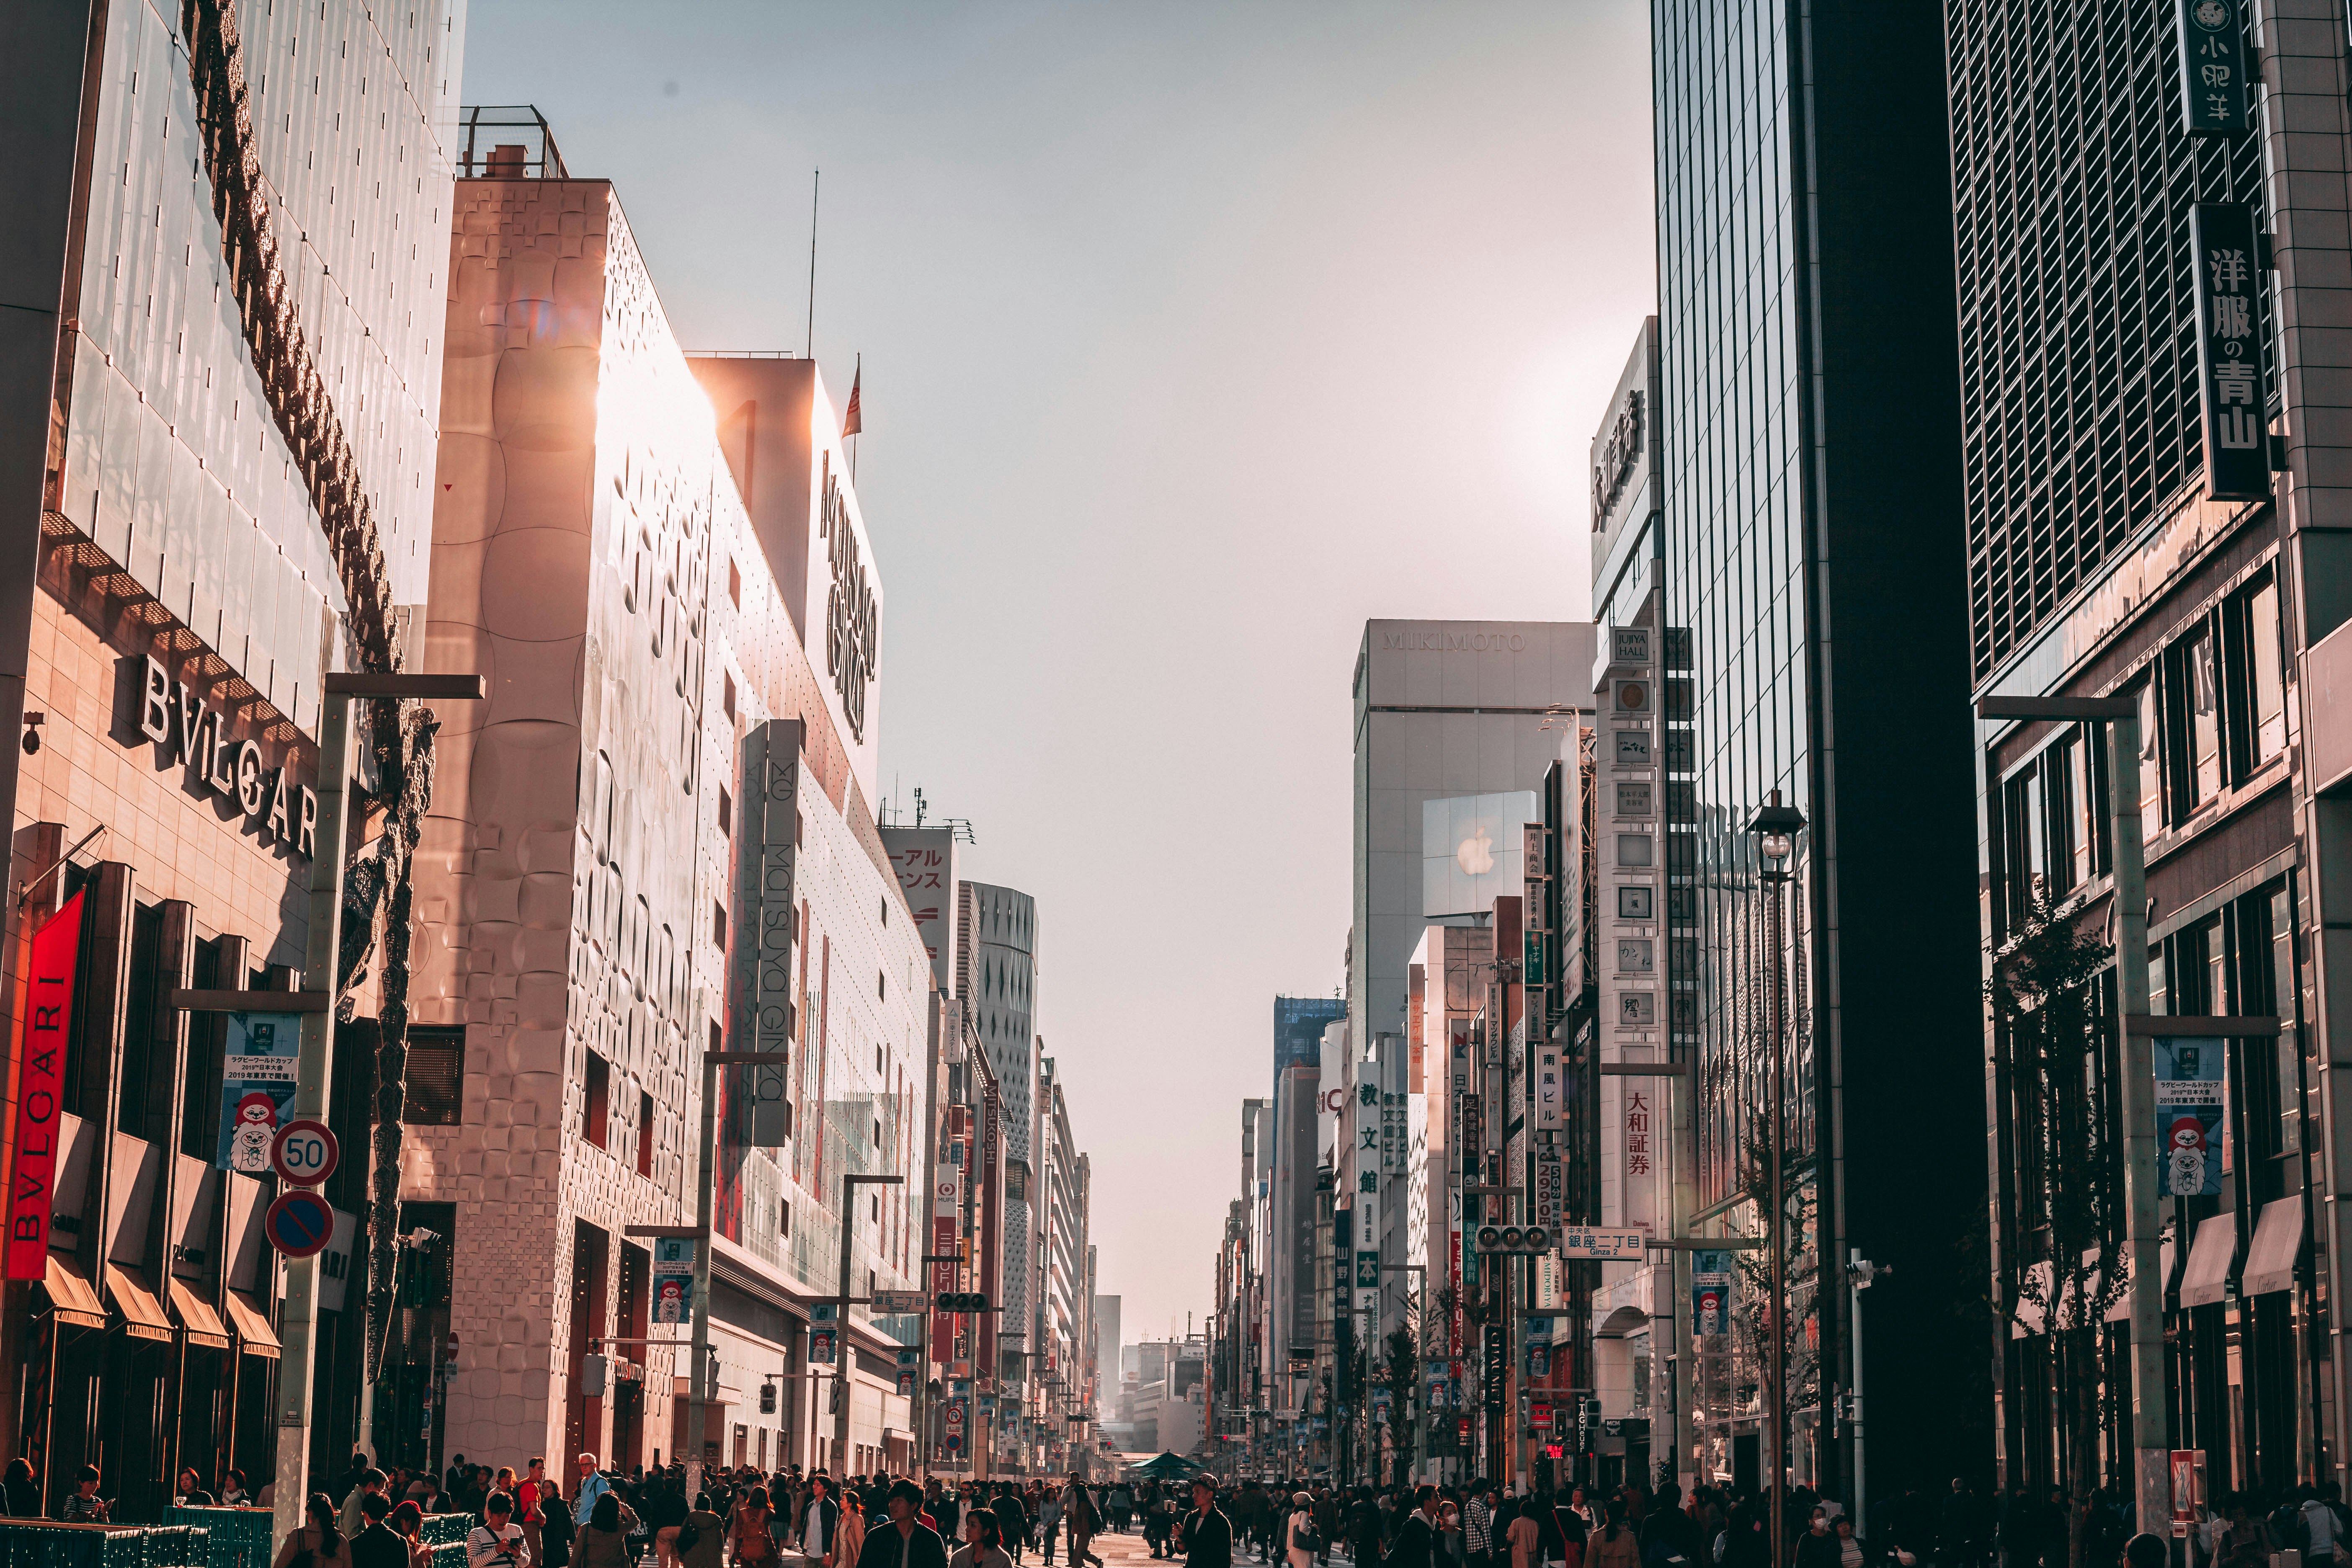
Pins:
<point x="2045" y="995"/>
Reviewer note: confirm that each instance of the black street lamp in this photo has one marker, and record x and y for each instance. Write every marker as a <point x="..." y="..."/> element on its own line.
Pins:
<point x="1776" y="827"/>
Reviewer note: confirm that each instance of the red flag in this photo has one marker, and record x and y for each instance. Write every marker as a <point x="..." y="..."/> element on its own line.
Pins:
<point x="854" y="422"/>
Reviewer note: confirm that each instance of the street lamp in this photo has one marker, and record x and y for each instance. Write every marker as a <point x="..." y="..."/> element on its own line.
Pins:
<point x="849" y="1185"/>
<point x="1776" y="827"/>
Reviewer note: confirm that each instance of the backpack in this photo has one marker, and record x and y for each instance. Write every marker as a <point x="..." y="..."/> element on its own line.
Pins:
<point x="688" y="1534"/>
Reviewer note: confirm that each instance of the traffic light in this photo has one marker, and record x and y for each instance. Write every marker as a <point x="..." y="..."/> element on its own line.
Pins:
<point x="767" y="1399"/>
<point x="962" y="1302"/>
<point x="1526" y="1239"/>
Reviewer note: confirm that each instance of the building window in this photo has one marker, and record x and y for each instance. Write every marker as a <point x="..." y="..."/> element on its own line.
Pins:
<point x="2192" y="723"/>
<point x="433" y="1091"/>
<point x="725" y="814"/>
<point x="727" y="698"/>
<point x="644" y="1134"/>
<point x="735" y="583"/>
<point x="2255" y="685"/>
<point x="718" y="925"/>
<point x="597" y="1104"/>
<point x="784" y="1213"/>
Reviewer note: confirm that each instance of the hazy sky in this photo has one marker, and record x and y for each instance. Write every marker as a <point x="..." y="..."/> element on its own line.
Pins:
<point x="1198" y="334"/>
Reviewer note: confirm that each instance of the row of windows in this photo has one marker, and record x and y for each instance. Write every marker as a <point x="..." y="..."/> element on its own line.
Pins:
<point x="2214" y="719"/>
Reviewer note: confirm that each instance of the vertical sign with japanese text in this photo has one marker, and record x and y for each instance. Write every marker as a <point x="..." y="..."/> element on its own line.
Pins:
<point x="768" y="841"/>
<point x="2188" y="1105"/>
<point x="672" y="1280"/>
<point x="2212" y="68"/>
<point x="2229" y="351"/>
<point x="40" y="1088"/>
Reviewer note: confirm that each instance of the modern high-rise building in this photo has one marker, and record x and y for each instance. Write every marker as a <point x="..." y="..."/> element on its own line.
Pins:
<point x="2156" y="438"/>
<point x="997" y="948"/>
<point x="655" y="839"/>
<point x="220" y="377"/>
<point x="1811" y="612"/>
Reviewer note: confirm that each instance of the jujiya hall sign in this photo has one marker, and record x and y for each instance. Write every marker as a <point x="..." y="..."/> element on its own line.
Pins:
<point x="196" y="735"/>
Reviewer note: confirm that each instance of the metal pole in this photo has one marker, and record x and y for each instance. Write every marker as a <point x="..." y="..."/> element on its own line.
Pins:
<point x="1680" y="1095"/>
<point x="2151" y="1472"/>
<point x="849" y="1185"/>
<point x="706" y="1186"/>
<point x="1853" y="1314"/>
<point x="1776" y="1480"/>
<point x="313" y="1072"/>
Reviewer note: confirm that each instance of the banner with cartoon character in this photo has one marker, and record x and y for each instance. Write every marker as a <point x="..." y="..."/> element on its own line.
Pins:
<point x="2190" y="1092"/>
<point x="256" y="1086"/>
<point x="672" y="1280"/>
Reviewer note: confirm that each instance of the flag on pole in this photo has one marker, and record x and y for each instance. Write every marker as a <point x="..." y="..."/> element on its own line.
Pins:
<point x="853" y="421"/>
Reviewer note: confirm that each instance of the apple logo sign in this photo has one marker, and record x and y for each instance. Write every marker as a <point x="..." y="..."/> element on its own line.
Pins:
<point x="1477" y="855"/>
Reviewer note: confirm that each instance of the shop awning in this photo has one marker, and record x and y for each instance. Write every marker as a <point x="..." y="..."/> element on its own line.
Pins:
<point x="143" y="1315"/>
<point x="72" y="1299"/>
<point x="2207" y="1279"/>
<point x="2033" y="1293"/>
<point x="196" y="1316"/>
<point x="2278" y="1242"/>
<point x="255" y="1335"/>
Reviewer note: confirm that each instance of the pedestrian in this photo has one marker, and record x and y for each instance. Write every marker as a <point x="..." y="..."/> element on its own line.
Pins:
<point x="701" y="1537"/>
<point x="497" y="1541"/>
<point x="1049" y="1522"/>
<point x="315" y="1542"/>
<point x="1013" y="1520"/>
<point x="849" y="1540"/>
<point x="665" y="1512"/>
<point x="593" y="1485"/>
<point x="377" y="1546"/>
<point x="188" y="1491"/>
<point x="1415" y="1544"/>
<point x="1300" y="1541"/>
<point x="1084" y="1521"/>
<point x="1121" y="1502"/>
<point x="1612" y="1545"/>
<point x="751" y="1530"/>
<point x="1206" y="1534"/>
<point x="983" y="1542"/>
<point x="1525" y="1539"/>
<point x="819" y="1518"/>
<point x="603" y="1539"/>
<point x="902" y="1540"/>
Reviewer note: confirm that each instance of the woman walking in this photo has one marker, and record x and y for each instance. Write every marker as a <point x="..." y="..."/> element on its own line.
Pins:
<point x="750" y="1532"/>
<point x="604" y="1540"/>
<point x="317" y="1542"/>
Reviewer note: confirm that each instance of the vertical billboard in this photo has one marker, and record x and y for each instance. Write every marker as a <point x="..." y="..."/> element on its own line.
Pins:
<point x="40" y="1088"/>
<point x="2229" y="351"/>
<point x="767" y="920"/>
<point x="1474" y="850"/>
<point x="924" y="861"/>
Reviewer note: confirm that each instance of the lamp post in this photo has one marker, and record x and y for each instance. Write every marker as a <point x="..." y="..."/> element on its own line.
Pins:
<point x="1776" y="827"/>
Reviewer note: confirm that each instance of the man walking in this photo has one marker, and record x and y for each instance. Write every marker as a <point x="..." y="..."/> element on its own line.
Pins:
<point x="1207" y="1534"/>
<point x="593" y="1485"/>
<point x="1416" y="1537"/>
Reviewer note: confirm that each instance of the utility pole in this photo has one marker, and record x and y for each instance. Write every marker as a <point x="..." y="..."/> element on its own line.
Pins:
<point x="313" y="1069"/>
<point x="1776" y="826"/>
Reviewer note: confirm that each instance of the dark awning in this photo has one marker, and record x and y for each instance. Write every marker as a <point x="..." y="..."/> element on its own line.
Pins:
<point x="196" y="1316"/>
<point x="2207" y="1279"/>
<point x="2278" y="1242"/>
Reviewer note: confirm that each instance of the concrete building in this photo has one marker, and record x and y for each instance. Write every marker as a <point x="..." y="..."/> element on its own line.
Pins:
<point x="1109" y="1355"/>
<point x="220" y="376"/>
<point x="997" y="941"/>
<point x="655" y="839"/>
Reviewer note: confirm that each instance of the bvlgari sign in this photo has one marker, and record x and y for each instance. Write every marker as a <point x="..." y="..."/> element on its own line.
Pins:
<point x="194" y="735"/>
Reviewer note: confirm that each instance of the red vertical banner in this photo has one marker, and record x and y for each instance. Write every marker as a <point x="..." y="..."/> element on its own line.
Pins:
<point x="40" y="1088"/>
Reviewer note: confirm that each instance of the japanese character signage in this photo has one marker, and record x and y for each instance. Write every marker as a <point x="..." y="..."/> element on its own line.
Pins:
<point x="1710" y="1294"/>
<point x="256" y="1086"/>
<point x="1637" y="1133"/>
<point x="1548" y="1187"/>
<point x="2229" y="351"/>
<point x="672" y="1280"/>
<point x="2212" y="68"/>
<point x="767" y="843"/>
<point x="2189" y="1101"/>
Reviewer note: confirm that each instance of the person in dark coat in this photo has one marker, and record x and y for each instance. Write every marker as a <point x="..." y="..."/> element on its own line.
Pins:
<point x="905" y="1541"/>
<point x="1416" y="1537"/>
<point x="1206" y="1535"/>
<point x="377" y="1546"/>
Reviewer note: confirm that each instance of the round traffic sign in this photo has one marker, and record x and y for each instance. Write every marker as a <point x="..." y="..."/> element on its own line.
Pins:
<point x="304" y="1152"/>
<point x="300" y="1224"/>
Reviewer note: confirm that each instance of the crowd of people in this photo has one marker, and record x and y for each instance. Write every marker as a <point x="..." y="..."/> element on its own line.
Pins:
<point x="744" y="1517"/>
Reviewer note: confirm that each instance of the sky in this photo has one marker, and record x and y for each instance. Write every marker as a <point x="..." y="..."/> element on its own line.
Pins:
<point x="1194" y="335"/>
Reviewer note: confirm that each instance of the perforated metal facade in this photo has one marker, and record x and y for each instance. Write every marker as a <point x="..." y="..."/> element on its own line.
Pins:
<point x="2072" y="182"/>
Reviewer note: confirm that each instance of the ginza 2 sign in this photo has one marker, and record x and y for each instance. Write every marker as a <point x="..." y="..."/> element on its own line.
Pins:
<point x="2229" y="351"/>
<point x="40" y="1088"/>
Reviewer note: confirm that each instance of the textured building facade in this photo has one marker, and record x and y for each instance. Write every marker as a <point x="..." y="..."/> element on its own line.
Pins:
<point x="218" y="396"/>
<point x="658" y="724"/>
<point x="2109" y="559"/>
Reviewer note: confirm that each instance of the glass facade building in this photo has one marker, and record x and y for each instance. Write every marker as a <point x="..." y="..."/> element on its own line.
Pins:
<point x="1814" y="644"/>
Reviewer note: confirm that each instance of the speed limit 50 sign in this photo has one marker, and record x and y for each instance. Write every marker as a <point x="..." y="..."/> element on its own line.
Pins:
<point x="304" y="1153"/>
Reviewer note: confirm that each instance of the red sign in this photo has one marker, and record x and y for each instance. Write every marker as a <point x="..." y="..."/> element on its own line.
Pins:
<point x="40" y="1087"/>
<point x="304" y="1152"/>
<point x="300" y="1224"/>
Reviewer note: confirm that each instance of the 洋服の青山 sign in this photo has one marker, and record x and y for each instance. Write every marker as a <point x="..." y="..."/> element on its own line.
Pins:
<point x="196" y="736"/>
<point x="40" y="1088"/>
